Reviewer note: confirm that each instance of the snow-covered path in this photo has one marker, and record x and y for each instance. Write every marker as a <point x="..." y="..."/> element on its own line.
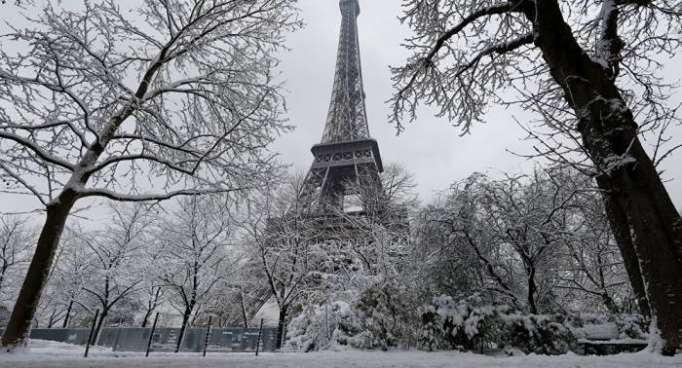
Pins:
<point x="350" y="360"/>
<point x="71" y="358"/>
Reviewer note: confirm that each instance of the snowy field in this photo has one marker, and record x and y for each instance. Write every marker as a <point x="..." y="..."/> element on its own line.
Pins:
<point x="44" y="355"/>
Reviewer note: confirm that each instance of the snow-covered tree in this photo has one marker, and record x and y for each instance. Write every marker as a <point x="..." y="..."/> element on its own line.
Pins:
<point x="135" y="102"/>
<point x="357" y="265"/>
<point x="443" y="255"/>
<point x="16" y="243"/>
<point x="591" y="70"/>
<point x="116" y="271"/>
<point x="377" y="235"/>
<point x="280" y="228"/>
<point x="70" y="275"/>
<point x="195" y="258"/>
<point x="528" y="218"/>
<point x="153" y="292"/>
<point x="593" y="268"/>
<point x="512" y="232"/>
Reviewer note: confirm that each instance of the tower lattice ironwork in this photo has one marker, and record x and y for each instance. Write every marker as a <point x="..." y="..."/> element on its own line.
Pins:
<point x="346" y="164"/>
<point x="346" y="153"/>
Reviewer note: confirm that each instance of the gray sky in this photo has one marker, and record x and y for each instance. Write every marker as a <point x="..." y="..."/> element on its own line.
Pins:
<point x="430" y="148"/>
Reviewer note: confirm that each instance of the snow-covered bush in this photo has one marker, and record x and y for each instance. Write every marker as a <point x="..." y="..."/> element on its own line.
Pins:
<point x="464" y="324"/>
<point x="538" y="334"/>
<point x="321" y="327"/>
<point x="387" y="316"/>
<point x="381" y="317"/>
<point x="471" y="325"/>
<point x="632" y="326"/>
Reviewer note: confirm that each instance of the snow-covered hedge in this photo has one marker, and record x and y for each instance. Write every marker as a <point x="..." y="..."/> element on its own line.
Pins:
<point x="632" y="326"/>
<point x="381" y="317"/>
<point x="387" y="316"/>
<point x="470" y="325"/>
<point x="322" y="327"/>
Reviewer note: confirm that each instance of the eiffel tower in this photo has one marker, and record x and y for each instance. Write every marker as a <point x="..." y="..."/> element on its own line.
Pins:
<point x="346" y="164"/>
<point x="346" y="154"/>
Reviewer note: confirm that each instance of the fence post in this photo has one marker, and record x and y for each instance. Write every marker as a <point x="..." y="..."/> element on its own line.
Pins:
<point x="260" y="332"/>
<point x="151" y="334"/>
<point x="92" y="330"/>
<point x="208" y="333"/>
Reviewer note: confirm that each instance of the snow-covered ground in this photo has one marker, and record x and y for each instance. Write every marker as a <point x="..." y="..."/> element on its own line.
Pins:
<point x="47" y="355"/>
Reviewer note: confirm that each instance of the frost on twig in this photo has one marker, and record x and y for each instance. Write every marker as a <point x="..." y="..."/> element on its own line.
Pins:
<point x="178" y="100"/>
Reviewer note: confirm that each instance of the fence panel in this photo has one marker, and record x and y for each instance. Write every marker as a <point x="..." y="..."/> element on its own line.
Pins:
<point x="164" y="339"/>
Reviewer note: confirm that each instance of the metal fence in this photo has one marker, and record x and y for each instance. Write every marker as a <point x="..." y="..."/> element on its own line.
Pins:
<point x="165" y="339"/>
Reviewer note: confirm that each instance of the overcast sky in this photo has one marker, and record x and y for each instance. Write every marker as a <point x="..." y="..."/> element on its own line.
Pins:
<point x="431" y="148"/>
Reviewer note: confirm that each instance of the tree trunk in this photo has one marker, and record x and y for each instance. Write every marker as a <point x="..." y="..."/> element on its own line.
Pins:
<point x="532" y="290"/>
<point x="3" y="270"/>
<point x="152" y="306"/>
<point x="195" y="316"/>
<point x="25" y="307"/>
<point x="281" y="326"/>
<point x="245" y="319"/>
<point x="621" y="232"/>
<point x="145" y="320"/>
<point x="68" y="314"/>
<point x="638" y="193"/>
<point x="628" y="175"/>
<point x="610" y="303"/>
<point x="98" y="328"/>
<point x="181" y="335"/>
<point x="53" y="318"/>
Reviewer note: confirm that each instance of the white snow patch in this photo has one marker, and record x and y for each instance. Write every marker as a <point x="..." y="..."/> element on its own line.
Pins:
<point x="57" y="355"/>
<point x="603" y="331"/>
<point x="269" y="312"/>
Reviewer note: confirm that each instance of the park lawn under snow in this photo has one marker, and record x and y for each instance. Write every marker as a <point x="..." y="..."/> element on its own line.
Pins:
<point x="47" y="354"/>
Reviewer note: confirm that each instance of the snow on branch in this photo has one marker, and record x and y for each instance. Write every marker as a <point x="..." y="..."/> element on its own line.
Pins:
<point x="439" y="60"/>
<point x="124" y="197"/>
<point x="41" y="153"/>
<point x="96" y="97"/>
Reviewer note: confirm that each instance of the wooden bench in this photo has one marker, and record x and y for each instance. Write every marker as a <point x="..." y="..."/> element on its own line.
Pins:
<point x="604" y="339"/>
<point x="610" y="347"/>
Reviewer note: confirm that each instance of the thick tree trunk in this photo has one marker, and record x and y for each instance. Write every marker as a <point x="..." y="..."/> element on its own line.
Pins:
<point x="639" y="193"/>
<point x="628" y="175"/>
<point x="621" y="232"/>
<point x="25" y="307"/>
<point x="532" y="290"/>
<point x="281" y="326"/>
